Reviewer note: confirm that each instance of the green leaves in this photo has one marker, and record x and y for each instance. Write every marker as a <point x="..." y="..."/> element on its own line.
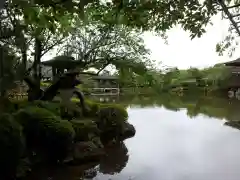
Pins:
<point x="100" y="45"/>
<point x="145" y="15"/>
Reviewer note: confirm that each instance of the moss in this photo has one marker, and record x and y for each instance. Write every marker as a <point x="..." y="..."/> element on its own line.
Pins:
<point x="12" y="145"/>
<point x="45" y="132"/>
<point x="119" y="109"/>
<point x="85" y="129"/>
<point x="111" y="116"/>
<point x="54" y="107"/>
<point x="93" y="108"/>
<point x="5" y="105"/>
<point x="111" y="121"/>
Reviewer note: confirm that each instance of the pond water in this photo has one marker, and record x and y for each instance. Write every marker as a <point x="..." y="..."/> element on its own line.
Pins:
<point x="181" y="138"/>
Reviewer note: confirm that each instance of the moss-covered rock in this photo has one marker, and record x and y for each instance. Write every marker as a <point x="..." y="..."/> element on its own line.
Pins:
<point x="87" y="151"/>
<point x="128" y="131"/>
<point x="11" y="145"/>
<point x="93" y="108"/>
<point x="85" y="130"/>
<point x="109" y="117"/>
<point x="54" y="107"/>
<point x="5" y="105"/>
<point x="110" y="121"/>
<point x="45" y="132"/>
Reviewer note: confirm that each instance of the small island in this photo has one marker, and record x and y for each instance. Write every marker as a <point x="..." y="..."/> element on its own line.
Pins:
<point x="41" y="130"/>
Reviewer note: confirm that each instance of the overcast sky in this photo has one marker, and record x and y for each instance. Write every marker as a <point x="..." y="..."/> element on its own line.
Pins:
<point x="182" y="52"/>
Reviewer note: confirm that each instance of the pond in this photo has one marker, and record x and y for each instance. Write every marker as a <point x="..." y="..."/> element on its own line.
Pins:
<point x="177" y="138"/>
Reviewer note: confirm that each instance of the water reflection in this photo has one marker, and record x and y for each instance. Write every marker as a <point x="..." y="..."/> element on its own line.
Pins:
<point x="115" y="160"/>
<point x="169" y="145"/>
<point x="222" y="108"/>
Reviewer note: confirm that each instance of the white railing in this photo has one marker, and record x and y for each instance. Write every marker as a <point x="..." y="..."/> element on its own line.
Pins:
<point x="103" y="91"/>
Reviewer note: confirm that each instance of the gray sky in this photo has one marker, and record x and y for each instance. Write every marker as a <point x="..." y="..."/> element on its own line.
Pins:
<point x="182" y="52"/>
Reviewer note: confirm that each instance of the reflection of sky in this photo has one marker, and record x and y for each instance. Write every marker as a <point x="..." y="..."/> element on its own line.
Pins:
<point x="170" y="146"/>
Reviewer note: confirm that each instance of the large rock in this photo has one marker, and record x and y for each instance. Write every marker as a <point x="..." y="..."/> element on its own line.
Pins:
<point x="118" y="134"/>
<point x="128" y="131"/>
<point x="84" y="152"/>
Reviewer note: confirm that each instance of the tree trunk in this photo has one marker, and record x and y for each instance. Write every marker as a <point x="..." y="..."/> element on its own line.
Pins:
<point x="24" y="57"/>
<point x="37" y="62"/>
<point x="2" y="90"/>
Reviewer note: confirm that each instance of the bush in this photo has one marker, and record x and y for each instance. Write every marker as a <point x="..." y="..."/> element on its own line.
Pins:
<point x="54" y="107"/>
<point x="113" y="114"/>
<point x="45" y="132"/>
<point x="18" y="104"/>
<point x="12" y="145"/>
<point x="85" y="130"/>
<point x="111" y="117"/>
<point x="111" y="120"/>
<point x="93" y="108"/>
<point x="6" y="106"/>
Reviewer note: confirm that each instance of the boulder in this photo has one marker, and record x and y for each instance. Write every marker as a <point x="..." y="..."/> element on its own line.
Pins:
<point x="128" y="131"/>
<point x="85" y="152"/>
<point x="118" y="133"/>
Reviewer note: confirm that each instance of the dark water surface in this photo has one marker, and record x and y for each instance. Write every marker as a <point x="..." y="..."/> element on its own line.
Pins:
<point x="177" y="139"/>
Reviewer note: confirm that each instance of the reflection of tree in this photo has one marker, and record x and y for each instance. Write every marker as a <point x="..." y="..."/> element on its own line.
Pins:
<point x="217" y="107"/>
<point x="63" y="172"/>
<point x="115" y="160"/>
<point x="234" y="124"/>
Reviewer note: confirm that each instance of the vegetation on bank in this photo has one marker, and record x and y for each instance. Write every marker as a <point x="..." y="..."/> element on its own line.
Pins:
<point x="171" y="80"/>
<point x="174" y="80"/>
<point x="44" y="132"/>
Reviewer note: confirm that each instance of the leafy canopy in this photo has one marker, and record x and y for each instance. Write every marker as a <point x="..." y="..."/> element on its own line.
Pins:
<point x="142" y="14"/>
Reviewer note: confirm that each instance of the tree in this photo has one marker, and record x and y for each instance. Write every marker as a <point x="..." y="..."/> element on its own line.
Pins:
<point x="30" y="21"/>
<point x="196" y="74"/>
<point x="99" y="45"/>
<point x="146" y="14"/>
<point x="230" y="10"/>
<point x="32" y="33"/>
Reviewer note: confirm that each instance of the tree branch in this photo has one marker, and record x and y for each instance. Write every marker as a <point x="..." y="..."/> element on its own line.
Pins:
<point x="104" y="66"/>
<point x="46" y="50"/>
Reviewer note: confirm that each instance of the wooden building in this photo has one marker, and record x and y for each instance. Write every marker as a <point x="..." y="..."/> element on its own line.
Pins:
<point x="234" y="68"/>
<point x="105" y="85"/>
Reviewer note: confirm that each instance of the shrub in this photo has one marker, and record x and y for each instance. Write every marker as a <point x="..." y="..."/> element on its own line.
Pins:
<point x="54" y="107"/>
<point x="18" y="104"/>
<point x="113" y="114"/>
<point x="45" y="132"/>
<point x="111" y="120"/>
<point x="12" y="145"/>
<point x="93" y="108"/>
<point x="85" y="129"/>
<point x="5" y="105"/>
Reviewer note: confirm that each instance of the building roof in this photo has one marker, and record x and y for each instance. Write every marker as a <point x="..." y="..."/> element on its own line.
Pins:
<point x="233" y="63"/>
<point x="105" y="77"/>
